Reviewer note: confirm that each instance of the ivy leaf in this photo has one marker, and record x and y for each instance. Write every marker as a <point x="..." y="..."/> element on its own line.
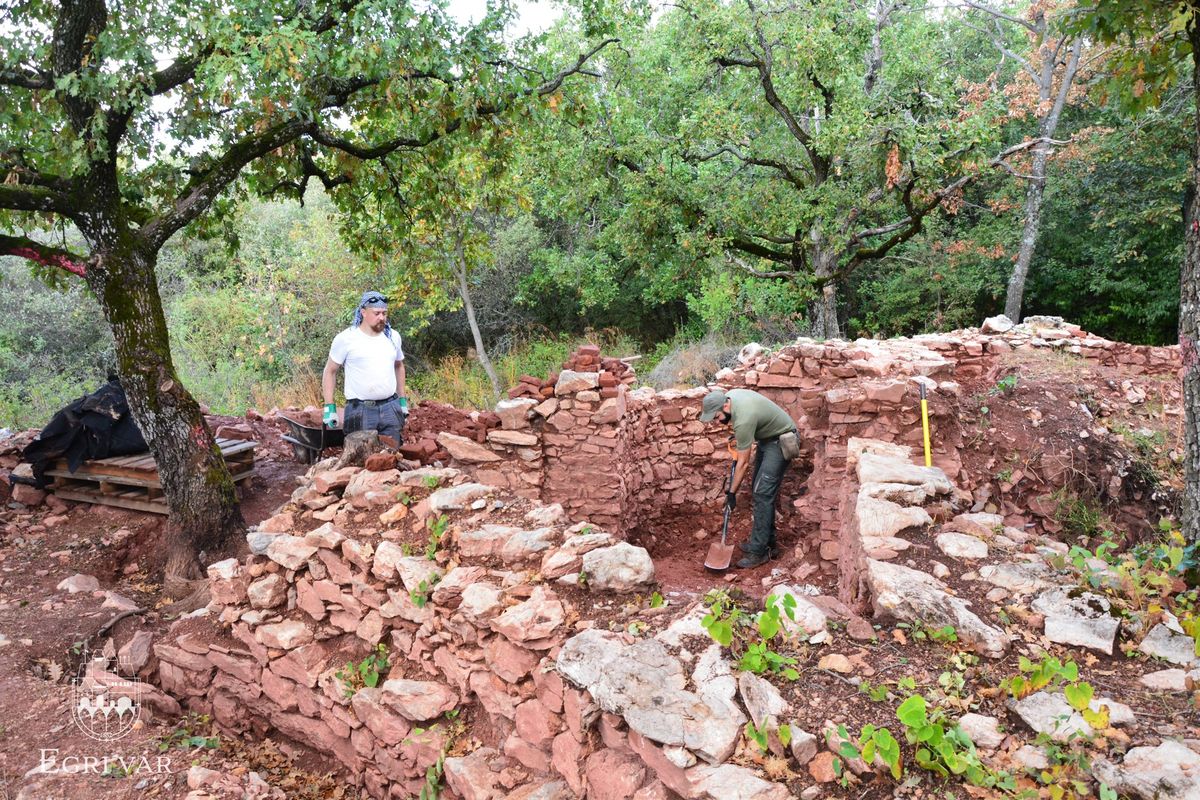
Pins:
<point x="912" y="712"/>
<point x="1078" y="695"/>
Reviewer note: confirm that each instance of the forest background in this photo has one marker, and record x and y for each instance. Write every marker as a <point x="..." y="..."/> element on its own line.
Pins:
<point x="659" y="202"/>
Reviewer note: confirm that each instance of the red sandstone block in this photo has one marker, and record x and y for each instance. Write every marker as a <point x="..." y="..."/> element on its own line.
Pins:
<point x="670" y="415"/>
<point x="779" y="367"/>
<point x="772" y="380"/>
<point x="419" y="450"/>
<point x="608" y="379"/>
<point x="608" y="392"/>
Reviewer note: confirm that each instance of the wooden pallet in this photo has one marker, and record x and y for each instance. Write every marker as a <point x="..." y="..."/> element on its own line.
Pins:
<point x="133" y="481"/>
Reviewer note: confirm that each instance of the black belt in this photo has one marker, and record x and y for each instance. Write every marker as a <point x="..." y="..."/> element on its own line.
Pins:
<point x="371" y="403"/>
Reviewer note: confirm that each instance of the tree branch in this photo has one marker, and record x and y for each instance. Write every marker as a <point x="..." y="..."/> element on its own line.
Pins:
<point x="207" y="184"/>
<point x="767" y="81"/>
<point x="200" y="192"/>
<point x="998" y="14"/>
<point x="908" y="227"/>
<point x="1064" y="88"/>
<point x="31" y="177"/>
<point x="760" y="273"/>
<point x="1005" y="51"/>
<point x="756" y="249"/>
<point x="376" y="151"/>
<point x="784" y="169"/>
<point x="308" y="169"/>
<point x="18" y="197"/>
<point x="179" y="72"/>
<point x="25" y="78"/>
<point x="43" y="254"/>
<point x="552" y="85"/>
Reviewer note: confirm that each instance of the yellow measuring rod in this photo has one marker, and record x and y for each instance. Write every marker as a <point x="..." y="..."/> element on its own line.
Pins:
<point x="925" y="424"/>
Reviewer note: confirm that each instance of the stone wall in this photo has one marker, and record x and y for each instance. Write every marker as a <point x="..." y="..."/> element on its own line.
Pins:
<point x="636" y="457"/>
<point x="472" y="636"/>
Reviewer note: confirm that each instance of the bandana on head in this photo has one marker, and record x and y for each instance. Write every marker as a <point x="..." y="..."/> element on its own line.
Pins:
<point x="372" y="300"/>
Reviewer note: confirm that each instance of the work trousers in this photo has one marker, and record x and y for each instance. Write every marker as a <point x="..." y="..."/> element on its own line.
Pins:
<point x="385" y="417"/>
<point x="769" y="467"/>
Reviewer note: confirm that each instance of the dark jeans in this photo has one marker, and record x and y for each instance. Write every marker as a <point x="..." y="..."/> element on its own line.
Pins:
<point x="769" y="467"/>
<point x="384" y="417"/>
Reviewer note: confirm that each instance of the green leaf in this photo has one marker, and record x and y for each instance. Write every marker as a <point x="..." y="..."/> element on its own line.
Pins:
<point x="912" y="711"/>
<point x="1079" y="695"/>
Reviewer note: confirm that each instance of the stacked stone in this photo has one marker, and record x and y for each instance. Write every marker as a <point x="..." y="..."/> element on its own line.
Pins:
<point x="675" y="461"/>
<point x="613" y="372"/>
<point x="512" y="456"/>
<point x="467" y="627"/>
<point x="585" y="439"/>
<point x="624" y="459"/>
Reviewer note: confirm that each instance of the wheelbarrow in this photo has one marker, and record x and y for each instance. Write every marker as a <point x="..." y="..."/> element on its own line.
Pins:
<point x="308" y="443"/>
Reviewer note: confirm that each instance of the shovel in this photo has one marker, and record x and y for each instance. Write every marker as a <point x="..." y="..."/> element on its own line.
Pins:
<point x="719" y="555"/>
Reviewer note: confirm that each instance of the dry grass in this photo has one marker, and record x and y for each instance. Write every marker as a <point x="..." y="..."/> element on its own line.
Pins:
<point x="462" y="382"/>
<point x="693" y="364"/>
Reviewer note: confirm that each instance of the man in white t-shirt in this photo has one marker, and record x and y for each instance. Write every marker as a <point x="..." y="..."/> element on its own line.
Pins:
<point x="373" y="357"/>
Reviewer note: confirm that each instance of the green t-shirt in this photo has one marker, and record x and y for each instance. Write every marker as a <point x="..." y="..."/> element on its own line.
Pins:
<point x="755" y="417"/>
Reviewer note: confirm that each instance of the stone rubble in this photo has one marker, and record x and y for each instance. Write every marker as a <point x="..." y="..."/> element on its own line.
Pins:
<point x="584" y="712"/>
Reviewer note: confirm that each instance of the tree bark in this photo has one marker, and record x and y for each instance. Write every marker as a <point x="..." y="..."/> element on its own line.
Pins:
<point x="1189" y="314"/>
<point x="195" y="479"/>
<point x="1034" y="193"/>
<point x="1048" y="125"/>
<point x="823" y="311"/>
<point x="464" y="291"/>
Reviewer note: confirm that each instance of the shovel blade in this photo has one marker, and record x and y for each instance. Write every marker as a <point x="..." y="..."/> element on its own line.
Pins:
<point x="719" y="556"/>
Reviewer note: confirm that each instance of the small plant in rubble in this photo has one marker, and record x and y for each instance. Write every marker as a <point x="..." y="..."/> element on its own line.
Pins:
<point x="952" y="682"/>
<point x="1146" y="580"/>
<point x="1004" y="386"/>
<point x="430" y="481"/>
<point x="189" y="735"/>
<point x="922" y="632"/>
<point x="878" y="692"/>
<point x="420" y="595"/>
<point x="943" y="748"/>
<point x="437" y="529"/>
<point x="872" y="742"/>
<point x="1068" y="771"/>
<point x="432" y="788"/>
<point x="759" y="736"/>
<point x="731" y="627"/>
<point x="365" y="673"/>
<point x="1052" y="673"/>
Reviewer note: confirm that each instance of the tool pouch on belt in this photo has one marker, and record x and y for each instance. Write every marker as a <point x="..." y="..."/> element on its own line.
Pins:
<point x="789" y="444"/>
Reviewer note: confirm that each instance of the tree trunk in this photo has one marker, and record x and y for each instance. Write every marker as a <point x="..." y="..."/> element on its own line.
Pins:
<point x="464" y="291"/>
<point x="823" y="311"/>
<point x="1034" y="193"/>
<point x="195" y="479"/>
<point x="1189" y="314"/>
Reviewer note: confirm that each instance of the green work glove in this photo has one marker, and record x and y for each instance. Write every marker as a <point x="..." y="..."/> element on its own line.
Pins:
<point x="330" y="417"/>
<point x="404" y="405"/>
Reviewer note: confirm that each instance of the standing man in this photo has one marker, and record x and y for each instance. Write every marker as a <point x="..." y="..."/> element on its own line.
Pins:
<point x="374" y="360"/>
<point x="755" y="418"/>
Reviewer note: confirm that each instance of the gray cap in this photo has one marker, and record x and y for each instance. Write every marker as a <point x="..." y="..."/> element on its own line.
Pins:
<point x="714" y="401"/>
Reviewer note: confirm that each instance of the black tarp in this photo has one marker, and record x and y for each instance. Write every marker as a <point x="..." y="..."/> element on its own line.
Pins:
<point x="97" y="425"/>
